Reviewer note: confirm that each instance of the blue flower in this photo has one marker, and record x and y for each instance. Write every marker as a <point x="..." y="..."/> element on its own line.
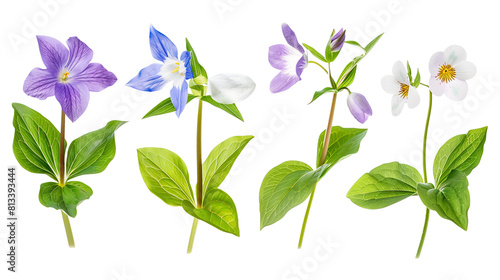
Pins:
<point x="172" y="69"/>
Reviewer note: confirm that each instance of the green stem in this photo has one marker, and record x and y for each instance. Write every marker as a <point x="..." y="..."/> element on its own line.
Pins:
<point x="191" y="237"/>
<point x="424" y="154"/>
<point x="314" y="62"/>
<point x="424" y="85"/>
<point x="321" y="162"/>
<point x="67" y="225"/>
<point x="199" y="169"/>
<point x="69" y="233"/>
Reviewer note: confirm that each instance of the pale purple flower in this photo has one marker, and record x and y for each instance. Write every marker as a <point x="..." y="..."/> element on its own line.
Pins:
<point x="171" y="69"/>
<point x="359" y="107"/>
<point x="449" y="70"/>
<point x="400" y="87"/>
<point x="291" y="60"/>
<point x="337" y="41"/>
<point x="69" y="75"/>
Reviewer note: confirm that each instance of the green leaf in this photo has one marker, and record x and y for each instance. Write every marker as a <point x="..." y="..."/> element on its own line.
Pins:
<point x="354" y="43"/>
<point x="321" y="92"/>
<point x="220" y="160"/>
<point x="462" y="152"/>
<point x="165" y="175"/>
<point x="416" y="83"/>
<point x="451" y="200"/>
<point x="65" y="198"/>
<point x="197" y="90"/>
<point x="218" y="210"/>
<point x="385" y="185"/>
<point x="349" y="78"/>
<point x="314" y="52"/>
<point x="36" y="142"/>
<point x="195" y="64"/>
<point x="343" y="143"/>
<point x="370" y="45"/>
<point x="408" y="69"/>
<point x="229" y="108"/>
<point x="284" y="187"/>
<point x="92" y="152"/>
<point x="330" y="56"/>
<point x="165" y="107"/>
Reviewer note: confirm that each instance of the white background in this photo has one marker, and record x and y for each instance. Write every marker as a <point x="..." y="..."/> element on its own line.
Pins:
<point x="124" y="232"/>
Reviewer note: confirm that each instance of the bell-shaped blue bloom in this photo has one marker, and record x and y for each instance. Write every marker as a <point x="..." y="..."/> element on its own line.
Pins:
<point x="172" y="69"/>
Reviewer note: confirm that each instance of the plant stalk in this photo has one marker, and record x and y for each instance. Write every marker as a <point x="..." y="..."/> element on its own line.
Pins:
<point x="424" y="155"/>
<point x="69" y="233"/>
<point x="321" y="162"/>
<point x="199" y="169"/>
<point x="67" y="224"/>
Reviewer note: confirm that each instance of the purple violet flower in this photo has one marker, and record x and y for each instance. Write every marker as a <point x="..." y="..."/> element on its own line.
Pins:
<point x="69" y="75"/>
<point x="359" y="107"/>
<point x="337" y="41"/>
<point x="291" y="60"/>
<point x="155" y="76"/>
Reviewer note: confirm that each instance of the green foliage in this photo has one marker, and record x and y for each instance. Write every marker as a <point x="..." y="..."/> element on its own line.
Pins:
<point x="65" y="198"/>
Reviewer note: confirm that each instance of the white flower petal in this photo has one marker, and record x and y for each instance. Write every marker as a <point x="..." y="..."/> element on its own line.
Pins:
<point x="435" y="62"/>
<point x="230" y="88"/>
<point x="436" y="87"/>
<point x="399" y="73"/>
<point x="397" y="105"/>
<point x="413" y="98"/>
<point x="390" y="85"/>
<point x="465" y="70"/>
<point x="457" y="90"/>
<point x="454" y="54"/>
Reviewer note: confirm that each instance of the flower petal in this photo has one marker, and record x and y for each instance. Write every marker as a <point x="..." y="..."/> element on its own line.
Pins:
<point x="283" y="57"/>
<point x="457" y="90"/>
<point x="96" y="77"/>
<point x="398" y="104"/>
<point x="148" y="79"/>
<point x="413" y="97"/>
<point x="437" y="87"/>
<point x="454" y="54"/>
<point x="54" y="53"/>
<point x="435" y="62"/>
<point x="465" y="70"/>
<point x="291" y="38"/>
<point x="40" y="83"/>
<point x="74" y="99"/>
<point x="390" y="85"/>
<point x="359" y="107"/>
<point x="80" y="56"/>
<point x="231" y="88"/>
<point x="301" y="65"/>
<point x="186" y="57"/>
<point x="179" y="97"/>
<point x="161" y="46"/>
<point x="399" y="73"/>
<point x="283" y="81"/>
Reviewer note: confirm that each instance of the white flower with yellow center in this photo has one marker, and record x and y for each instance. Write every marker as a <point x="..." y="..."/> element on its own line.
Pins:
<point x="399" y="85"/>
<point x="449" y="70"/>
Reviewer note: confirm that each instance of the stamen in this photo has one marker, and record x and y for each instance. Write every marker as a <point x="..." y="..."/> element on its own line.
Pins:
<point x="403" y="91"/>
<point x="446" y="73"/>
<point x="176" y="69"/>
<point x="65" y="76"/>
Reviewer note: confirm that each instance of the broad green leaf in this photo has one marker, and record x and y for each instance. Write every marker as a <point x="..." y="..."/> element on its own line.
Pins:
<point x="165" y="107"/>
<point x="370" y="45"/>
<point x="451" y="200"/>
<point x="218" y="210"/>
<point x="349" y="79"/>
<point x="321" y="92"/>
<point x="195" y="64"/>
<point x="284" y="187"/>
<point x="36" y="142"/>
<point x="65" y="198"/>
<point x="343" y="143"/>
<point x="220" y="160"/>
<point x="385" y="185"/>
<point x="229" y="108"/>
<point x="92" y="152"/>
<point x="314" y="52"/>
<point x="165" y="175"/>
<point x="462" y="152"/>
<point x="354" y="43"/>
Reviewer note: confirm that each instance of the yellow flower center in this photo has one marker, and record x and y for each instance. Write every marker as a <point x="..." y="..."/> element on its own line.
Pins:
<point x="403" y="91"/>
<point x="64" y="77"/>
<point x="446" y="73"/>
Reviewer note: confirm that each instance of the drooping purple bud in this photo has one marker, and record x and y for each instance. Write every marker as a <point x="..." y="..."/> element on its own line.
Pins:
<point x="337" y="41"/>
<point x="359" y="107"/>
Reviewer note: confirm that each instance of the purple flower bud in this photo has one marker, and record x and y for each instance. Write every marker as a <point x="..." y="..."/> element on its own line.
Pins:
<point x="359" y="107"/>
<point x="337" y="41"/>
